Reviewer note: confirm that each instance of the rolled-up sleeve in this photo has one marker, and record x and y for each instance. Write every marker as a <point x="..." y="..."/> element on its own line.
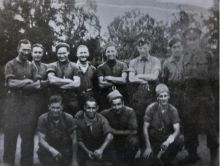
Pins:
<point x="9" y="72"/>
<point x="51" y="68"/>
<point x="105" y="126"/>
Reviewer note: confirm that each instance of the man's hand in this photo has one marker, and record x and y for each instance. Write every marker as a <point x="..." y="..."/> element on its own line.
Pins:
<point x="138" y="154"/>
<point x="56" y="154"/>
<point x="147" y="153"/>
<point x="164" y="145"/>
<point x="90" y="154"/>
<point x="28" y="81"/>
<point x="98" y="153"/>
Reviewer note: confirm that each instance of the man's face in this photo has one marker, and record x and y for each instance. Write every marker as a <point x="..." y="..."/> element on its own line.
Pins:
<point x="111" y="53"/>
<point x="163" y="98"/>
<point x="177" y="49"/>
<point x="90" y="109"/>
<point x="56" y="109"/>
<point x="192" y="42"/>
<point x="62" y="54"/>
<point x="82" y="54"/>
<point x="24" y="51"/>
<point x="144" y="49"/>
<point x="117" y="105"/>
<point x="37" y="53"/>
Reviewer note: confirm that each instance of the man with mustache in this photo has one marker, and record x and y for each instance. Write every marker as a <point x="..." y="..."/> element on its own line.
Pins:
<point x="123" y="122"/>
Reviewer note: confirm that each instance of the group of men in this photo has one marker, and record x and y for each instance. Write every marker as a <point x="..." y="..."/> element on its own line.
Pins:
<point x="115" y="114"/>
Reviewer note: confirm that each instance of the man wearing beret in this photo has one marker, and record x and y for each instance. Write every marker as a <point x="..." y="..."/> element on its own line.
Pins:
<point x="64" y="79"/>
<point x="162" y="129"/>
<point x="94" y="134"/>
<point x="172" y="72"/>
<point x="198" y="98"/>
<point x="143" y="76"/>
<point x="123" y="122"/>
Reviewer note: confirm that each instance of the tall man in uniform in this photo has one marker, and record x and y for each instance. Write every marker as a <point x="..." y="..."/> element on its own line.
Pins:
<point x="198" y="98"/>
<point x="64" y="79"/>
<point x="19" y="116"/>
<point x="123" y="122"/>
<point x="172" y="73"/>
<point x="94" y="134"/>
<point x="57" y="136"/>
<point x="112" y="74"/>
<point x="143" y="76"/>
<point x="87" y="73"/>
<point x="40" y="96"/>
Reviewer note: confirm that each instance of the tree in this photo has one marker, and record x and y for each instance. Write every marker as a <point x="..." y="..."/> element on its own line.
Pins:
<point x="124" y="32"/>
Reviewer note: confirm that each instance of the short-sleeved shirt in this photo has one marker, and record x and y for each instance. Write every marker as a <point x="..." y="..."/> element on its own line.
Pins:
<point x="58" y="135"/>
<point x="92" y="135"/>
<point x="172" y="70"/>
<point x="115" y="70"/>
<point x="87" y="78"/>
<point x="19" y="70"/>
<point x="41" y="71"/>
<point x="126" y="120"/>
<point x="197" y="65"/>
<point x="67" y="70"/>
<point x="161" y="124"/>
<point x="145" y="66"/>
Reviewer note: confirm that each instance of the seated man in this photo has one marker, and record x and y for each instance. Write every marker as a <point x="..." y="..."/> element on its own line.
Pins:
<point x="162" y="129"/>
<point x="123" y="122"/>
<point x="57" y="136"/>
<point x="94" y="133"/>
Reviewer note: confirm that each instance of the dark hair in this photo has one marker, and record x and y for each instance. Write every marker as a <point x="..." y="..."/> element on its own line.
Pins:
<point x="119" y="97"/>
<point x="174" y="40"/>
<point x="59" y="45"/>
<point x="23" y="41"/>
<point x="37" y="45"/>
<point x="89" y="98"/>
<point x="55" y="99"/>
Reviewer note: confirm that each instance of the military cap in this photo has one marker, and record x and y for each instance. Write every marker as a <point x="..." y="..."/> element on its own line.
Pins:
<point x="192" y="30"/>
<point x="113" y="95"/>
<point x="161" y="88"/>
<point x="37" y="45"/>
<point x="59" y="45"/>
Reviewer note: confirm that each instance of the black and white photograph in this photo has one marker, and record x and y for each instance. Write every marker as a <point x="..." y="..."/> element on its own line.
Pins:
<point x="109" y="83"/>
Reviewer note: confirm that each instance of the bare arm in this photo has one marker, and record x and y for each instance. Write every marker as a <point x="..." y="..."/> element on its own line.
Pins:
<point x="124" y="132"/>
<point x="149" y="77"/>
<point x="117" y="80"/>
<point x="134" y="79"/>
<point x="58" y="81"/>
<point x="15" y="83"/>
<point x="148" y="151"/>
<point x="104" y="83"/>
<point x="46" y="146"/>
<point x="74" y="84"/>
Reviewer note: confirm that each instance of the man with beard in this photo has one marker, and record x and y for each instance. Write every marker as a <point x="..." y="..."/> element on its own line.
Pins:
<point x="40" y="96"/>
<point x="87" y="73"/>
<point x="112" y="75"/>
<point x="162" y="129"/>
<point x="19" y="116"/>
<point x="57" y="136"/>
<point x="123" y="122"/>
<point x="64" y="79"/>
<point x="94" y="134"/>
<point x="172" y="73"/>
<point x="198" y="115"/>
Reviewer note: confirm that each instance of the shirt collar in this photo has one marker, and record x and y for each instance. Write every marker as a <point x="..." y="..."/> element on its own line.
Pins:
<point x="19" y="61"/>
<point x="82" y="67"/>
<point x="89" y="122"/>
<point x="144" y="59"/>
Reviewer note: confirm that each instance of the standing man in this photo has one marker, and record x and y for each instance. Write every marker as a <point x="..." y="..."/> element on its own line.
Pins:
<point x="198" y="98"/>
<point x="172" y="73"/>
<point x="112" y="74"/>
<point x="143" y="75"/>
<point x="64" y="79"/>
<point x="162" y="129"/>
<point x="123" y="122"/>
<point x="57" y="136"/>
<point x="20" y="117"/>
<point x="94" y="134"/>
<point x="87" y="73"/>
<point x="40" y="96"/>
